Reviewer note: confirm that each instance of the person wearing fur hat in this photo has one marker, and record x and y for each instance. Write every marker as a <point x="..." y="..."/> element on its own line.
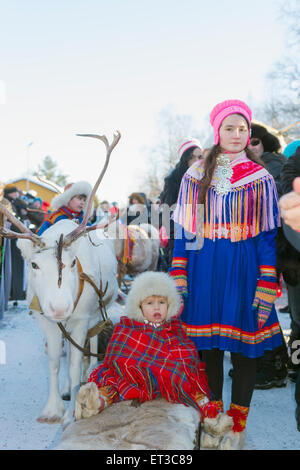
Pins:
<point x="19" y="206"/>
<point x="137" y="210"/>
<point x="149" y="355"/>
<point x="226" y="273"/>
<point x="188" y="153"/>
<point x="266" y="146"/>
<point x="71" y="204"/>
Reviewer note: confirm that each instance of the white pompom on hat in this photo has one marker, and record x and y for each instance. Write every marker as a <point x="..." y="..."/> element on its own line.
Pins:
<point x="71" y="190"/>
<point x="148" y="284"/>
<point x="188" y="143"/>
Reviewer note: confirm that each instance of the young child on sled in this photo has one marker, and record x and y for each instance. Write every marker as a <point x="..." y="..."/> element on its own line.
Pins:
<point x="149" y="355"/>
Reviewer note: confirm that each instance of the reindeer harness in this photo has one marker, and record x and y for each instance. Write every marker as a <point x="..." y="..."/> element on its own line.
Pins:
<point x="83" y="277"/>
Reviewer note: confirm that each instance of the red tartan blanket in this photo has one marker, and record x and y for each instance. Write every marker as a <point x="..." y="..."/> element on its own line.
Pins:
<point x="145" y="363"/>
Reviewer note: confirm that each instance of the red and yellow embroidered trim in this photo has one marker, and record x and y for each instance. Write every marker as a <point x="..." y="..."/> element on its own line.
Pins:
<point x="231" y="332"/>
<point x="239" y="415"/>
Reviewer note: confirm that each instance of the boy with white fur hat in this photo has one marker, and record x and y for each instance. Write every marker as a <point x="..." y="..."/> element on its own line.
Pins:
<point x="149" y="355"/>
<point x="71" y="204"/>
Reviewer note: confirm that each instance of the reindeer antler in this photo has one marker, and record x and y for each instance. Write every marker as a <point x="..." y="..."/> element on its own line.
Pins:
<point x="49" y="183"/>
<point x="25" y="231"/>
<point x="81" y="229"/>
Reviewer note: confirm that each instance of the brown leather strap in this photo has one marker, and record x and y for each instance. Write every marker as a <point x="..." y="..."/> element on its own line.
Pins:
<point x="99" y="292"/>
<point x="96" y="329"/>
<point x="85" y="351"/>
<point x="81" y="283"/>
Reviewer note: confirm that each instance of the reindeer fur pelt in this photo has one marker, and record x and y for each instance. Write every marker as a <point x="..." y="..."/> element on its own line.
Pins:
<point x="153" y="425"/>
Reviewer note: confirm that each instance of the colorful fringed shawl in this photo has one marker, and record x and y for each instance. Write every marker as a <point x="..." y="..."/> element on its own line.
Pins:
<point x="145" y="363"/>
<point x="249" y="208"/>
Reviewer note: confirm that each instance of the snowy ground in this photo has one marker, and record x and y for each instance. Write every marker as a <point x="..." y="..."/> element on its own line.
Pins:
<point x="24" y="388"/>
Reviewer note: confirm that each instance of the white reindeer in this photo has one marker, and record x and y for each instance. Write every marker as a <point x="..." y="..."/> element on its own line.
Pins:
<point x="56" y="261"/>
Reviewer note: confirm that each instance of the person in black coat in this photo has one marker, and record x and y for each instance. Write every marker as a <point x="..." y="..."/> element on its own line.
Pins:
<point x="266" y="146"/>
<point x="19" y="209"/>
<point x="290" y="211"/>
<point x="36" y="214"/>
<point x="272" y="367"/>
<point x="188" y="153"/>
<point x="5" y="261"/>
<point x="288" y="255"/>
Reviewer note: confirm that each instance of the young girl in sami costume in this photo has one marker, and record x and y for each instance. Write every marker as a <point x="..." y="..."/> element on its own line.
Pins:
<point x="229" y="284"/>
<point x="149" y="355"/>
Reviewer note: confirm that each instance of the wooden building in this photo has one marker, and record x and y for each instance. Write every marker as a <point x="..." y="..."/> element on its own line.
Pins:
<point x="43" y="190"/>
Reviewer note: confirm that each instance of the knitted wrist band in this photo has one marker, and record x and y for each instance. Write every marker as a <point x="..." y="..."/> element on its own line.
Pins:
<point x="267" y="286"/>
<point x="268" y="271"/>
<point x="179" y="273"/>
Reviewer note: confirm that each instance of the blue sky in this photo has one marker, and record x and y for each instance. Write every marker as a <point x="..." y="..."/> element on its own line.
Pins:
<point x="93" y="66"/>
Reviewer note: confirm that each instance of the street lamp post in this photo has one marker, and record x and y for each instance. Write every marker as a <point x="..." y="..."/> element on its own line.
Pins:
<point x="27" y="180"/>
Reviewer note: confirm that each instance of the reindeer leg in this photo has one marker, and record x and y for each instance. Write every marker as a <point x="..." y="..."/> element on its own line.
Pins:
<point x="94" y="350"/>
<point x="54" y="409"/>
<point x="66" y="391"/>
<point x="78" y="334"/>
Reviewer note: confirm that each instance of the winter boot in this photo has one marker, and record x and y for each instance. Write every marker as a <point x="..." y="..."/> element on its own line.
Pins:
<point x="292" y="371"/>
<point x="285" y="309"/>
<point x="234" y="439"/>
<point x="272" y="370"/>
<point x="297" y="415"/>
<point x="214" y="427"/>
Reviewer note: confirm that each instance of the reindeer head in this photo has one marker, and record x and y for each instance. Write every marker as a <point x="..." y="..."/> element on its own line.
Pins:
<point x="53" y="271"/>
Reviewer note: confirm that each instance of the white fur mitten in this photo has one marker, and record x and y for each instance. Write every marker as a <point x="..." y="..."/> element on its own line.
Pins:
<point x="88" y="402"/>
<point x="214" y="429"/>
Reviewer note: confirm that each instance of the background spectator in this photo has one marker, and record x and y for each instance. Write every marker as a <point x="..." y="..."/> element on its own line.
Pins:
<point x="19" y="209"/>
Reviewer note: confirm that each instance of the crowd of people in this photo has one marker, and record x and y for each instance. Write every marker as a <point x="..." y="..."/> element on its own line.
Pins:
<point x="229" y="225"/>
<point x="32" y="211"/>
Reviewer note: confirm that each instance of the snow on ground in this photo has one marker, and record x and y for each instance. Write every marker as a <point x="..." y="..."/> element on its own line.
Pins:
<point x="24" y="390"/>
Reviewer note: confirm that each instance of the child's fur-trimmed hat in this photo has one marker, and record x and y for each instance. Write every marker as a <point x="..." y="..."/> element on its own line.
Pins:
<point x="148" y="284"/>
<point x="72" y="190"/>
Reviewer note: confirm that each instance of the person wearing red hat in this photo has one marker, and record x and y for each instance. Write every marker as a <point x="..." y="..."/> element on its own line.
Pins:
<point x="224" y="265"/>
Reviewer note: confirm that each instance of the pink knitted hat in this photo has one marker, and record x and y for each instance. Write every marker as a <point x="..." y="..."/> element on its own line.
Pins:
<point x="188" y="143"/>
<point x="224" y="109"/>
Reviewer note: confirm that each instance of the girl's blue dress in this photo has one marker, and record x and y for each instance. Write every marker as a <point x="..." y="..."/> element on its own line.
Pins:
<point x="239" y="236"/>
<point x="222" y="278"/>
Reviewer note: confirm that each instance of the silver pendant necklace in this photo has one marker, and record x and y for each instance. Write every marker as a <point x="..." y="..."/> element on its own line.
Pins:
<point x="224" y="172"/>
<point x="156" y="325"/>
